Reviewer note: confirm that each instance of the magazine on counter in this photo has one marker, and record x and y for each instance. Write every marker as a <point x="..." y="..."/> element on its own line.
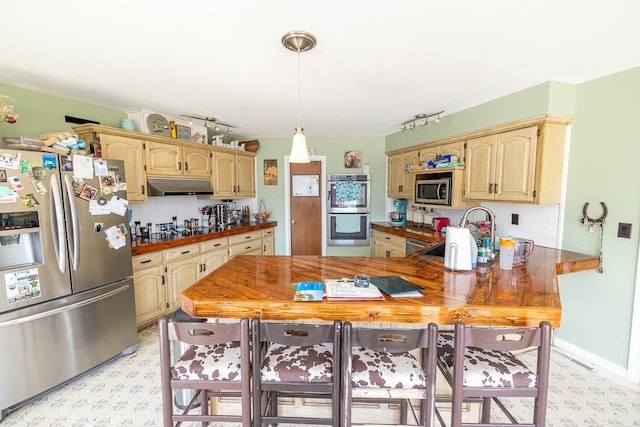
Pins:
<point x="338" y="289"/>
<point x="397" y="287"/>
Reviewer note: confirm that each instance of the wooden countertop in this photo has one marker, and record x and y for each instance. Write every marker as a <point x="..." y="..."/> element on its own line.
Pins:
<point x="260" y="286"/>
<point x="417" y="231"/>
<point x="142" y="246"/>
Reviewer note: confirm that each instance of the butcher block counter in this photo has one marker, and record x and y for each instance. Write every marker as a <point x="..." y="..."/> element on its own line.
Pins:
<point x="261" y="286"/>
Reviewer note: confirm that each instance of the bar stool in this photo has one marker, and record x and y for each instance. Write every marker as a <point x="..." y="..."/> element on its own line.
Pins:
<point x="298" y="361"/>
<point x="377" y="367"/>
<point x="216" y="362"/>
<point x="478" y="364"/>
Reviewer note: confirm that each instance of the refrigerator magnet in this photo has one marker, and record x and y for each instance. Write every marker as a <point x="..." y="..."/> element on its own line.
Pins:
<point x="38" y="173"/>
<point x="39" y="186"/>
<point x="100" y="167"/>
<point x="29" y="200"/>
<point x="49" y="161"/>
<point x="15" y="183"/>
<point x="3" y="175"/>
<point x="9" y="161"/>
<point x="88" y="192"/>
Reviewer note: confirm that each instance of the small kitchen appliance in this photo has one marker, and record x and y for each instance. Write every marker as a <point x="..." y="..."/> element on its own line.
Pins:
<point x="439" y="223"/>
<point x="398" y="217"/>
<point x="460" y="251"/>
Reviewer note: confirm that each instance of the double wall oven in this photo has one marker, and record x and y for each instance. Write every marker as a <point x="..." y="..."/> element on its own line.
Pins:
<point x="349" y="209"/>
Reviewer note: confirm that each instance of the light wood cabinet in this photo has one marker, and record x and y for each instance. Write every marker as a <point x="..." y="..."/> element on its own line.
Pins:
<point x="432" y="151"/>
<point x="502" y="166"/>
<point x="388" y="245"/>
<point x="214" y="253"/>
<point x="399" y="182"/>
<point x="245" y="244"/>
<point x="268" y="242"/>
<point x="160" y="277"/>
<point x="149" y="287"/>
<point x="131" y="152"/>
<point x="183" y="270"/>
<point x="233" y="175"/>
<point x="175" y="160"/>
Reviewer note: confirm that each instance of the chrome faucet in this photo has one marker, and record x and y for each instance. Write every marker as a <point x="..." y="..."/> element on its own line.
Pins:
<point x="490" y="214"/>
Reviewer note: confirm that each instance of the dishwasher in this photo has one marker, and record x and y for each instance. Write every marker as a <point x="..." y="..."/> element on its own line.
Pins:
<point x="412" y="245"/>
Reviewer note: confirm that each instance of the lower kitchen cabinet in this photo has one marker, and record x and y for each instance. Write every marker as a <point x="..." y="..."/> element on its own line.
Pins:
<point x="149" y="287"/>
<point x="245" y="244"/>
<point x="183" y="270"/>
<point x="388" y="245"/>
<point x="269" y="241"/>
<point x="160" y="277"/>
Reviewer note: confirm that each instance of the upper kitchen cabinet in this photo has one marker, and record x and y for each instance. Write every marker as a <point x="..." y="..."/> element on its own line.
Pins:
<point x="121" y="145"/>
<point x="432" y="151"/>
<point x="399" y="182"/>
<point x="519" y="165"/>
<point x="165" y="159"/>
<point x="502" y="166"/>
<point x="233" y="175"/>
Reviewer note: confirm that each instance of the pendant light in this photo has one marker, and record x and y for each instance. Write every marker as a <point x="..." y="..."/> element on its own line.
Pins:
<point x="299" y="41"/>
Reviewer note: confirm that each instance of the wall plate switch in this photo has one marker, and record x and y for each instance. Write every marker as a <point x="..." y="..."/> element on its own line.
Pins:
<point x="515" y="219"/>
<point x="624" y="230"/>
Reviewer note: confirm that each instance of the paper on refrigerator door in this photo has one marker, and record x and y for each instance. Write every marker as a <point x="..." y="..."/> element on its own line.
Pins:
<point x="115" y="237"/>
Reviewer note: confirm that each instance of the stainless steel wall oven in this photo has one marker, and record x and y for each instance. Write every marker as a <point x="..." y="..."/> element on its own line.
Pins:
<point x="349" y="208"/>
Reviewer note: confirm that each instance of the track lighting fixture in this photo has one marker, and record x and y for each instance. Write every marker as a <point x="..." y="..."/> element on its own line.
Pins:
<point x="420" y="119"/>
<point x="207" y="121"/>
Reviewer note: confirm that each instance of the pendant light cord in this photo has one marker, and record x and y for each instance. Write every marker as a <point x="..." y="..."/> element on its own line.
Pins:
<point x="299" y="126"/>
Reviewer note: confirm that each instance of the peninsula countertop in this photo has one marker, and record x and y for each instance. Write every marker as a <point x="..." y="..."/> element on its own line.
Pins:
<point x="261" y="286"/>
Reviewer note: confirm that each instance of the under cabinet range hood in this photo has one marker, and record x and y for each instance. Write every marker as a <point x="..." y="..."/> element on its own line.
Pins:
<point x="179" y="186"/>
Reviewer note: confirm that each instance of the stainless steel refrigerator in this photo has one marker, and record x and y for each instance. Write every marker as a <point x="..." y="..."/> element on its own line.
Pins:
<point x="66" y="289"/>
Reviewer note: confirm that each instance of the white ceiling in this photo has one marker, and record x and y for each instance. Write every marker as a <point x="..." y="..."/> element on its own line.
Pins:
<point x="377" y="63"/>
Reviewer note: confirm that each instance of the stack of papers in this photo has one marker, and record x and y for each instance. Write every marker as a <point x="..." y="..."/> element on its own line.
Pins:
<point x="397" y="287"/>
<point x="347" y="290"/>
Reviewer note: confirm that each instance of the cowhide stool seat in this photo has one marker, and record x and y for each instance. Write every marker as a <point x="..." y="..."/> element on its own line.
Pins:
<point x="478" y="364"/>
<point x="295" y="360"/>
<point x="377" y="366"/>
<point x="217" y="362"/>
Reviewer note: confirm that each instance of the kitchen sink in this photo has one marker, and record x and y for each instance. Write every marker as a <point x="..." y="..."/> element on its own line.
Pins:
<point x="436" y="251"/>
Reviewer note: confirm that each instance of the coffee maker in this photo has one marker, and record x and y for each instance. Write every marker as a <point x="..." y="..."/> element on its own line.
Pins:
<point x="399" y="216"/>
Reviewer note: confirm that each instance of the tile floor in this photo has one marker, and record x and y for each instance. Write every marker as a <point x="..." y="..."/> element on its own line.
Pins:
<point x="126" y="392"/>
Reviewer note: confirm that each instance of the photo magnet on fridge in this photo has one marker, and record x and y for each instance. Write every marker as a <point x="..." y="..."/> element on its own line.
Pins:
<point x="49" y="161"/>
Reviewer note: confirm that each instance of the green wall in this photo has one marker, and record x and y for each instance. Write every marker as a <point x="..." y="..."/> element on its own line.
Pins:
<point x="597" y="308"/>
<point x="41" y="113"/>
<point x="333" y="148"/>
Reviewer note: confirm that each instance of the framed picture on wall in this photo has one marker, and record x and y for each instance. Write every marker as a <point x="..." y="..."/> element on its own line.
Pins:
<point x="271" y="172"/>
<point x="353" y="159"/>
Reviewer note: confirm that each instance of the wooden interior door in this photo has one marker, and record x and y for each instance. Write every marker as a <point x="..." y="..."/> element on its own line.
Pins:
<point x="306" y="212"/>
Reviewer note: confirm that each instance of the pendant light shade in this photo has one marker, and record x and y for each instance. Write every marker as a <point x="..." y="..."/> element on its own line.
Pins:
<point x="299" y="151"/>
<point x="299" y="41"/>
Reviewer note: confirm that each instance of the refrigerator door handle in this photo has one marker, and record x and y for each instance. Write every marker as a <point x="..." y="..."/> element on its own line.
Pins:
<point x="75" y="253"/>
<point x="57" y="224"/>
<point x="54" y="311"/>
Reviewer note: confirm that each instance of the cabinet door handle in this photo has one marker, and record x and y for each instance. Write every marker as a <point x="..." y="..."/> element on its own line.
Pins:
<point x="495" y="188"/>
<point x="142" y="189"/>
<point x="162" y="279"/>
<point x="186" y="166"/>
<point x="401" y="188"/>
<point x="490" y="188"/>
<point x="387" y="253"/>
<point x="179" y="165"/>
<point x="184" y="252"/>
<point x="146" y="261"/>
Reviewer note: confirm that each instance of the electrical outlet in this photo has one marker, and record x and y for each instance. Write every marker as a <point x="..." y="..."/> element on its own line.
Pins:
<point x="624" y="230"/>
<point x="515" y="219"/>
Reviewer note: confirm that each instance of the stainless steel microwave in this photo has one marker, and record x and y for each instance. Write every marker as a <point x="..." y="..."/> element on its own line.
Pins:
<point x="433" y="191"/>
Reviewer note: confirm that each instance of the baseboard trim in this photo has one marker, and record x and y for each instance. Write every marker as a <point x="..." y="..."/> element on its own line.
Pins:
<point x="590" y="358"/>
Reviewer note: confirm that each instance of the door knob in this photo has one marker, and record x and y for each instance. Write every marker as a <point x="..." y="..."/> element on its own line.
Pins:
<point x="293" y="221"/>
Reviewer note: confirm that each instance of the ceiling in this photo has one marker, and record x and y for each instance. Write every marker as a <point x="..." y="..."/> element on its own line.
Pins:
<point x="376" y="64"/>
